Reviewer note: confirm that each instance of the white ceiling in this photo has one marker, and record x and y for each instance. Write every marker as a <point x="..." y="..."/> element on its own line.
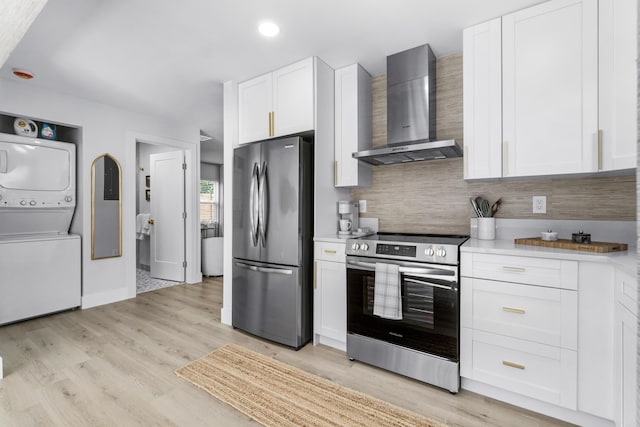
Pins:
<point x="169" y="58"/>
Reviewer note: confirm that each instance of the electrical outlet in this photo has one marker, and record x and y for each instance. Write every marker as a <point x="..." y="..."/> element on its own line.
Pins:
<point x="362" y="204"/>
<point x="540" y="204"/>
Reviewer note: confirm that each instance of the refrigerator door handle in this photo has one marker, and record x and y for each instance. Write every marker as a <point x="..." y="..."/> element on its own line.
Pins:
<point x="264" y="269"/>
<point x="253" y="205"/>
<point x="263" y="203"/>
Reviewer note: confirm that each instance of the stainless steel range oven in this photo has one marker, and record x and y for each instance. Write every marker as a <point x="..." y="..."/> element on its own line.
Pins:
<point x="423" y="343"/>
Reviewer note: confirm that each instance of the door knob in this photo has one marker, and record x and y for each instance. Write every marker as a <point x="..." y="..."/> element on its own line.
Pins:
<point x="151" y="222"/>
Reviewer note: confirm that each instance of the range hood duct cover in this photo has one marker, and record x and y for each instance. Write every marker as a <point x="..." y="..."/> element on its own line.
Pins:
<point x="411" y="112"/>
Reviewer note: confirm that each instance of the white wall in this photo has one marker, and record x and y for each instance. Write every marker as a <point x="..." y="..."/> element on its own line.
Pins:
<point x="212" y="151"/>
<point x="230" y="108"/>
<point x="104" y="130"/>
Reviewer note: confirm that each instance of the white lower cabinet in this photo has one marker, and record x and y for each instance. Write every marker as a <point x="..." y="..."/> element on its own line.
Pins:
<point x="625" y="351"/>
<point x="595" y="338"/>
<point x="555" y="336"/>
<point x="543" y="372"/>
<point x="516" y="335"/>
<point x="330" y="295"/>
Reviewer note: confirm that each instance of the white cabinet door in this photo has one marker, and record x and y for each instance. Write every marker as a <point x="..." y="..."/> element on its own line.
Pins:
<point x="595" y="340"/>
<point x="550" y="88"/>
<point x="482" y="69"/>
<point x="254" y="104"/>
<point x="352" y="125"/>
<point x="618" y="79"/>
<point x="293" y="99"/>
<point x="626" y="338"/>
<point x="330" y="301"/>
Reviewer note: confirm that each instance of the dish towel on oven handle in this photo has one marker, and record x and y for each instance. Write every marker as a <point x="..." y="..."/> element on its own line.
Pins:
<point x="387" y="297"/>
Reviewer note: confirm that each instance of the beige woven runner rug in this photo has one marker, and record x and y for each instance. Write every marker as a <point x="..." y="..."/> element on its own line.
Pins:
<point x="276" y="394"/>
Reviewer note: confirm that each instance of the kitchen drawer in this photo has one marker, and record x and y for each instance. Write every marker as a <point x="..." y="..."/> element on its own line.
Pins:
<point x="626" y="291"/>
<point x="535" y="370"/>
<point x="534" y="271"/>
<point x="533" y="313"/>
<point x="329" y="251"/>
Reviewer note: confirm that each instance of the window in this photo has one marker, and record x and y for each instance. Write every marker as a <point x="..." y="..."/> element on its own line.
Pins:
<point x="208" y="201"/>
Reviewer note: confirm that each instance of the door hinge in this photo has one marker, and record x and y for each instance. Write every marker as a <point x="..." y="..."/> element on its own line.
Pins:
<point x="184" y="215"/>
<point x="184" y="166"/>
<point x="184" y="264"/>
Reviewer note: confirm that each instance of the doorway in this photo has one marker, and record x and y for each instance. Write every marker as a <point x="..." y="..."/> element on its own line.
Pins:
<point x="160" y="217"/>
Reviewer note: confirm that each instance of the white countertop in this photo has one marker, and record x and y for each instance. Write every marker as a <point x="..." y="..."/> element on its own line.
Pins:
<point x="333" y="238"/>
<point x="626" y="260"/>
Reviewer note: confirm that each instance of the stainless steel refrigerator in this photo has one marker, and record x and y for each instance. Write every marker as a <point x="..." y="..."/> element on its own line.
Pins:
<point x="273" y="240"/>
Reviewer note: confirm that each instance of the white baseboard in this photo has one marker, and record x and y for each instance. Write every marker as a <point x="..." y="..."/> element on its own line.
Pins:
<point x="330" y="342"/>
<point x="102" y="298"/>
<point x="564" y="414"/>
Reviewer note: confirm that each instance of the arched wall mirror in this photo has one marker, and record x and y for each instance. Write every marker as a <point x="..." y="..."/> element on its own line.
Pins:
<point x="106" y="208"/>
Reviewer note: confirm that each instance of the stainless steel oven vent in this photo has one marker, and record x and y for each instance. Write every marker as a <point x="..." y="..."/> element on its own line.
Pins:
<point x="411" y="112"/>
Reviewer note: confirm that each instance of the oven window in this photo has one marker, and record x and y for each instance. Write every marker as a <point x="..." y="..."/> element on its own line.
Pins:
<point x="417" y="300"/>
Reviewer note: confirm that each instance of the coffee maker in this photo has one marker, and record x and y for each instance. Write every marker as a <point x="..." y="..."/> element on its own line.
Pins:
<point x="348" y="214"/>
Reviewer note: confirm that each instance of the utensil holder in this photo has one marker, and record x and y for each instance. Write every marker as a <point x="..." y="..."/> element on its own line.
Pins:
<point x="486" y="228"/>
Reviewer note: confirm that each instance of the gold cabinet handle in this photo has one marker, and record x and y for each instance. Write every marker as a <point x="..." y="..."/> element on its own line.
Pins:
<point x="513" y="310"/>
<point x="272" y="130"/>
<point x="512" y="365"/>
<point x="513" y="269"/>
<point x="466" y="150"/>
<point x="329" y="251"/>
<point x="151" y="222"/>
<point x="315" y="273"/>
<point x="599" y="149"/>
<point x="505" y="158"/>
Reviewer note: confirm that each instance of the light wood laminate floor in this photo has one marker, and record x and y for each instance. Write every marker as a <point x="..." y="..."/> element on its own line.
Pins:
<point x="113" y="365"/>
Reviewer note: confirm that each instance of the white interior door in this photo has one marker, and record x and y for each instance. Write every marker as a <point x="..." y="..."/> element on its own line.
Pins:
<point x="167" y="216"/>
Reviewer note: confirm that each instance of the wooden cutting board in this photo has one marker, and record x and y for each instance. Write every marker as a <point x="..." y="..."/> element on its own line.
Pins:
<point x="599" y="247"/>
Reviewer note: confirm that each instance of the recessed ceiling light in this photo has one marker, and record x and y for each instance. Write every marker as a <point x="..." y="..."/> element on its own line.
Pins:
<point x="268" y="29"/>
<point x="23" y="74"/>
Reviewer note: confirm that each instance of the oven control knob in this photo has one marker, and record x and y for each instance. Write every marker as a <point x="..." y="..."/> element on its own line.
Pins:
<point x="355" y="246"/>
<point x="365" y="247"/>
<point x="441" y="252"/>
<point x="32" y="202"/>
<point x="429" y="251"/>
<point x="23" y="202"/>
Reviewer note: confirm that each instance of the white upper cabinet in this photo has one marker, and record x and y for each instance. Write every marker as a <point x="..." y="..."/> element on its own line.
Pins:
<point x="352" y="125"/>
<point x="618" y="79"/>
<point x="482" y="64"/>
<point x="550" y="88"/>
<point x="277" y="104"/>
<point x="254" y="102"/>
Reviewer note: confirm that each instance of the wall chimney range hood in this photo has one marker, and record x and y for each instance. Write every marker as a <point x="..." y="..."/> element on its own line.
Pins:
<point x="411" y="112"/>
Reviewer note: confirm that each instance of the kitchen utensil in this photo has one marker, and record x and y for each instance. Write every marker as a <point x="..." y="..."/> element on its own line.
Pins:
<point x="485" y="208"/>
<point x="581" y="237"/>
<point x="549" y="236"/>
<point x="475" y="207"/>
<point x="495" y="206"/>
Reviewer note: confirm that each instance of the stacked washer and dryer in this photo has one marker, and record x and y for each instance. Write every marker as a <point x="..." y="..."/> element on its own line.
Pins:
<point x="40" y="262"/>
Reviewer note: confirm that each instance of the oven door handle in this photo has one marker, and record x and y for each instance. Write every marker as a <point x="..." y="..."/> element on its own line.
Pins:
<point x="434" y="285"/>
<point x="410" y="270"/>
